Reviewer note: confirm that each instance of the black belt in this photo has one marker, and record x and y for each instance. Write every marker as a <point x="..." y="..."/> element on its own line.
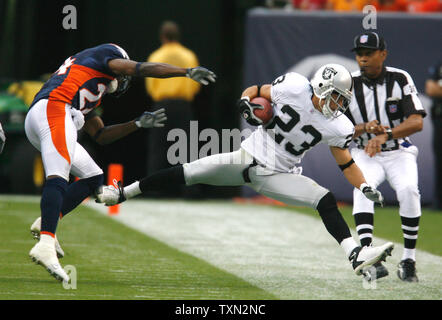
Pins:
<point x="383" y="149"/>
<point x="245" y="172"/>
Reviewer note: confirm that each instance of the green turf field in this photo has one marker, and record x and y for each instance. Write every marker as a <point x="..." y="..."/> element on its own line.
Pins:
<point x="387" y="225"/>
<point x="204" y="258"/>
<point x="111" y="260"/>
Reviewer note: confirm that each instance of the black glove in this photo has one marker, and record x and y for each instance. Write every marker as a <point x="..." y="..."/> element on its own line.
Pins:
<point x="201" y="75"/>
<point x="246" y="109"/>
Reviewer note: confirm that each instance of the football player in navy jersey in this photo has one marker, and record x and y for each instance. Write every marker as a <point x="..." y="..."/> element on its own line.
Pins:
<point x="64" y="105"/>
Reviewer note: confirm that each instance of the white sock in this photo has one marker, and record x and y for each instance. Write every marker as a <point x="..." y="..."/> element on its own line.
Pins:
<point x="47" y="240"/>
<point x="348" y="245"/>
<point x="132" y="190"/>
<point x="409" y="254"/>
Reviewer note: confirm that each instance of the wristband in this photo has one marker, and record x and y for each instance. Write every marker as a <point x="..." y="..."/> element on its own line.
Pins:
<point x="137" y="69"/>
<point x="346" y="165"/>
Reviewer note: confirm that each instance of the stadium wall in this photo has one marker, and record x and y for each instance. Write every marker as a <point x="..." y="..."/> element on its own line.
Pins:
<point x="280" y="41"/>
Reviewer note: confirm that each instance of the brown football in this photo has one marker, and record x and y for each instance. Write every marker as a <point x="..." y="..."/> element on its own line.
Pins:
<point x="265" y="114"/>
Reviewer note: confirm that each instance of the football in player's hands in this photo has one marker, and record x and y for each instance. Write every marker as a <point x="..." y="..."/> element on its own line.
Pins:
<point x="265" y="114"/>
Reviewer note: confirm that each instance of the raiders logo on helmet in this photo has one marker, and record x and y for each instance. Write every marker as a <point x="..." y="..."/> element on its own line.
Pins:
<point x="328" y="72"/>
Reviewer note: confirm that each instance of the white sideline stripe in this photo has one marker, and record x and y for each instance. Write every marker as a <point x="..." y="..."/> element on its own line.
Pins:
<point x="287" y="254"/>
<point x="312" y="268"/>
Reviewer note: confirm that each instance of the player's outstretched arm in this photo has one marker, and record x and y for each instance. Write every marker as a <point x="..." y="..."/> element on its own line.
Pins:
<point x="107" y="134"/>
<point x="354" y="174"/>
<point x="160" y="70"/>
<point x="351" y="171"/>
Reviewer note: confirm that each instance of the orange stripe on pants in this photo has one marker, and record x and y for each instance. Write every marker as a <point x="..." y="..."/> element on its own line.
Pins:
<point x="56" y="113"/>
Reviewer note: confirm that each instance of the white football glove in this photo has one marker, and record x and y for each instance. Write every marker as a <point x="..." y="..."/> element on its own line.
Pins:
<point x="151" y="119"/>
<point x="78" y="118"/>
<point x="2" y="138"/>
<point x="109" y="195"/>
<point x="372" y="194"/>
<point x="201" y="75"/>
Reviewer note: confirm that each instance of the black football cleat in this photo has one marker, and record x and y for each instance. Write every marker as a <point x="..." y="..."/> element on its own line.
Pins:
<point x="362" y="258"/>
<point x="381" y="270"/>
<point x="407" y="271"/>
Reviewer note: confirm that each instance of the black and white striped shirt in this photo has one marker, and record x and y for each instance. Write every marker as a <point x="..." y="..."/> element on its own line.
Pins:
<point x="390" y="99"/>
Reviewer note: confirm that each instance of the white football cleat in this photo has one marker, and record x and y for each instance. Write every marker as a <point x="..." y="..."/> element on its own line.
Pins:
<point x="110" y="195"/>
<point x="365" y="257"/>
<point x="35" y="231"/>
<point x="44" y="255"/>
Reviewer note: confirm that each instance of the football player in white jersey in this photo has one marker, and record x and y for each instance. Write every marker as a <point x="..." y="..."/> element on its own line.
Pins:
<point x="305" y="114"/>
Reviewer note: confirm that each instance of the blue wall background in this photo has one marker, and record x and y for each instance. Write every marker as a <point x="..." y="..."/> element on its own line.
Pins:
<point x="277" y="42"/>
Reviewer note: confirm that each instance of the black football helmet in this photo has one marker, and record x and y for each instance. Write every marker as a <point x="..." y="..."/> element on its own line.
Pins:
<point x="123" y="85"/>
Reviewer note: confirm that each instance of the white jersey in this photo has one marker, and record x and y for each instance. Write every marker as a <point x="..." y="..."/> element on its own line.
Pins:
<point x="296" y="127"/>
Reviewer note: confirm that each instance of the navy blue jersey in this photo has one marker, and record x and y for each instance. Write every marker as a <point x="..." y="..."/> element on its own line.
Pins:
<point x="82" y="79"/>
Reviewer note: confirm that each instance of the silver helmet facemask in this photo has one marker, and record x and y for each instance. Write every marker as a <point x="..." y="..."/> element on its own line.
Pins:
<point x="333" y="83"/>
<point x="342" y="107"/>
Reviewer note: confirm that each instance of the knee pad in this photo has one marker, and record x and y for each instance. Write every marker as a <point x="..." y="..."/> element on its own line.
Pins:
<point x="409" y="202"/>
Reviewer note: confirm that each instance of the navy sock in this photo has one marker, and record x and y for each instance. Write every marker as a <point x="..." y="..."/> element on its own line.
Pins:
<point x="50" y="204"/>
<point x="78" y="191"/>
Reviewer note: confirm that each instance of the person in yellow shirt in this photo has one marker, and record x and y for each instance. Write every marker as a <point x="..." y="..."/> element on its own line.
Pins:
<point x="176" y="95"/>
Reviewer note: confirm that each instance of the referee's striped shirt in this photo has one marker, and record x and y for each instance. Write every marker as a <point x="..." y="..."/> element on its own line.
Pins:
<point x="390" y="99"/>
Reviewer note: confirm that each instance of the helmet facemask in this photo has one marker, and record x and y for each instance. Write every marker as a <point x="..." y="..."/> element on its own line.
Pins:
<point x="342" y="107"/>
<point x="123" y="82"/>
<point x="122" y="85"/>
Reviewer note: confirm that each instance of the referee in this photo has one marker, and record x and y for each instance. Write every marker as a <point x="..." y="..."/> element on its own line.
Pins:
<point x="386" y="110"/>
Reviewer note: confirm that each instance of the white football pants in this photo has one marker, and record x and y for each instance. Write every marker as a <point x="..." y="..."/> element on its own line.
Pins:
<point x="50" y="129"/>
<point x="399" y="168"/>
<point x="226" y="169"/>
